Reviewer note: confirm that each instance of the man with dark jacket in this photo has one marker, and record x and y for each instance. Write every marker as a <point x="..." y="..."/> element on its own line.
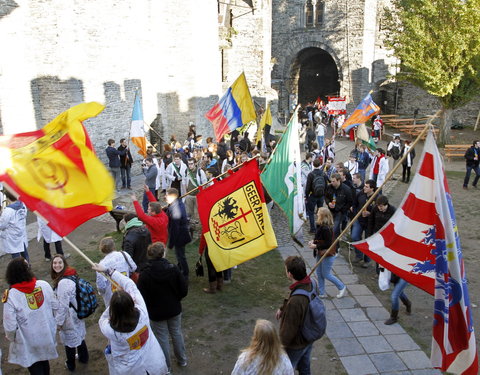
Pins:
<point x="313" y="194"/>
<point x="339" y="200"/>
<point x="472" y="158"/>
<point x="292" y="314"/>
<point x="125" y="164"/>
<point x="381" y="213"/>
<point x="136" y="240"/>
<point x="359" y="227"/>
<point x="114" y="160"/>
<point x="178" y="229"/>
<point x="150" y="171"/>
<point x="163" y="287"/>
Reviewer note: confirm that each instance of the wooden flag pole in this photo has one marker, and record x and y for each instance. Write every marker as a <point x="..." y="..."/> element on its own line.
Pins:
<point x="295" y="113"/>
<point x="220" y="175"/>
<point x="370" y="200"/>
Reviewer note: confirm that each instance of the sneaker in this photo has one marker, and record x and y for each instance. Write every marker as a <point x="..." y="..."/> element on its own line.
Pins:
<point x="365" y="265"/>
<point x="341" y="293"/>
<point x="322" y="296"/>
<point x="182" y="364"/>
<point x="67" y="255"/>
<point x="48" y="259"/>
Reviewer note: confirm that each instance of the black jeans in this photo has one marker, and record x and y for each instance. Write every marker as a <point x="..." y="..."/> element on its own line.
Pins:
<point x="46" y="248"/>
<point x="213" y="275"/>
<point x="40" y="368"/>
<point x="82" y="355"/>
<point x="182" y="260"/>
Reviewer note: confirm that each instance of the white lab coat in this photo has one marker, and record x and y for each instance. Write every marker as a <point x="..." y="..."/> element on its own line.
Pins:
<point x="383" y="169"/>
<point x="72" y="330"/>
<point x="30" y="328"/>
<point x="46" y="232"/>
<point x="116" y="261"/>
<point x="135" y="352"/>
<point x="13" y="228"/>
<point x="171" y="173"/>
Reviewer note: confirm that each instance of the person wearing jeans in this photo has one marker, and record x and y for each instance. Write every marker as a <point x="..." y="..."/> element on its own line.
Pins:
<point x="163" y="287"/>
<point x="292" y="313"/>
<point x="321" y="244"/>
<point x="472" y="158"/>
<point x="398" y="294"/>
<point x="178" y="229"/>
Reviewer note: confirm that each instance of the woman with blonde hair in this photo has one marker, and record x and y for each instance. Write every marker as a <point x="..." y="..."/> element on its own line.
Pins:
<point x="265" y="354"/>
<point x="320" y="244"/>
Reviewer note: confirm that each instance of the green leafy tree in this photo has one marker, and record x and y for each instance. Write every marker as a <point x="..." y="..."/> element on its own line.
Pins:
<point x="438" y="45"/>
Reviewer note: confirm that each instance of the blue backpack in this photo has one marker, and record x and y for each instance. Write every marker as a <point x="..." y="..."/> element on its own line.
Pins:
<point x="86" y="298"/>
<point x="315" y="322"/>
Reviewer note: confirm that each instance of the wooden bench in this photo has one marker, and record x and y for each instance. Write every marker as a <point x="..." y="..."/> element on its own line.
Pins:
<point x="455" y="151"/>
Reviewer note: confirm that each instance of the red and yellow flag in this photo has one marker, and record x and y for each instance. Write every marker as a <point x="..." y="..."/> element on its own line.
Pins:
<point x="235" y="219"/>
<point x="55" y="171"/>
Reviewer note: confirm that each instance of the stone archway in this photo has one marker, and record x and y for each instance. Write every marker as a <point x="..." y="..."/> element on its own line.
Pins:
<point x="317" y="75"/>
<point x="297" y="53"/>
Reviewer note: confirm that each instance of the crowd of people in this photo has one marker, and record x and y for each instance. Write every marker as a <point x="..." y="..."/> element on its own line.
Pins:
<point x="142" y="290"/>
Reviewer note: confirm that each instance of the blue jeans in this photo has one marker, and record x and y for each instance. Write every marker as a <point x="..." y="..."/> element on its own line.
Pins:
<point x="313" y="202"/>
<point x="300" y="359"/>
<point x="115" y="171"/>
<point x="338" y="218"/>
<point x="320" y="141"/>
<point x="126" y="179"/>
<point x="397" y="293"/>
<point x="145" y="200"/>
<point x="172" y="326"/>
<point x="357" y="232"/>
<point x="23" y="254"/>
<point x="467" y="175"/>
<point x="324" y="271"/>
<point x="362" y="173"/>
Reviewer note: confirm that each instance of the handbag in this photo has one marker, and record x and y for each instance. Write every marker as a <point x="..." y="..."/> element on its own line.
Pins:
<point x="133" y="275"/>
<point x="384" y="279"/>
<point x="199" y="267"/>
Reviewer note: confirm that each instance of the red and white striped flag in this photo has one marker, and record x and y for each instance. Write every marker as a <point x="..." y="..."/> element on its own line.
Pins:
<point x="420" y="244"/>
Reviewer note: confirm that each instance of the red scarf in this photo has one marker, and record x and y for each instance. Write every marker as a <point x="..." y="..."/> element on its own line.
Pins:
<point x="305" y="280"/>
<point x="376" y="167"/>
<point x="26" y="287"/>
<point x="70" y="272"/>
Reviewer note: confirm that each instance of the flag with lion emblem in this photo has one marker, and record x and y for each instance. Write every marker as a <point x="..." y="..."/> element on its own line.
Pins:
<point x="235" y="219"/>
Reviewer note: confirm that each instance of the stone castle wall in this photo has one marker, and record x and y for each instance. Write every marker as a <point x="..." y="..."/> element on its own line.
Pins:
<point x="63" y="52"/>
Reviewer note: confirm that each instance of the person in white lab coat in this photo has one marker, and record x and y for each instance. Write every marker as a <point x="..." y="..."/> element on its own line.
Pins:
<point x="13" y="228"/>
<point x="118" y="260"/>
<point x="49" y="236"/>
<point x="72" y="329"/>
<point x="28" y="319"/>
<point x="132" y="347"/>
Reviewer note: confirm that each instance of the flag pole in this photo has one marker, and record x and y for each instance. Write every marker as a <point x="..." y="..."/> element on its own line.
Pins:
<point x="220" y="175"/>
<point x="373" y="196"/>
<point x="14" y="193"/>
<point x="281" y="138"/>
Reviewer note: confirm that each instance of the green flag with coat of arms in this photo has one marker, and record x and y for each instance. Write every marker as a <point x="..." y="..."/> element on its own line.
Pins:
<point x="282" y="177"/>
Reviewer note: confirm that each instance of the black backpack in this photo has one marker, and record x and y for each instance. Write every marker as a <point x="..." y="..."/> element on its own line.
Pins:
<point x="395" y="152"/>
<point x="315" y="322"/>
<point x="318" y="184"/>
